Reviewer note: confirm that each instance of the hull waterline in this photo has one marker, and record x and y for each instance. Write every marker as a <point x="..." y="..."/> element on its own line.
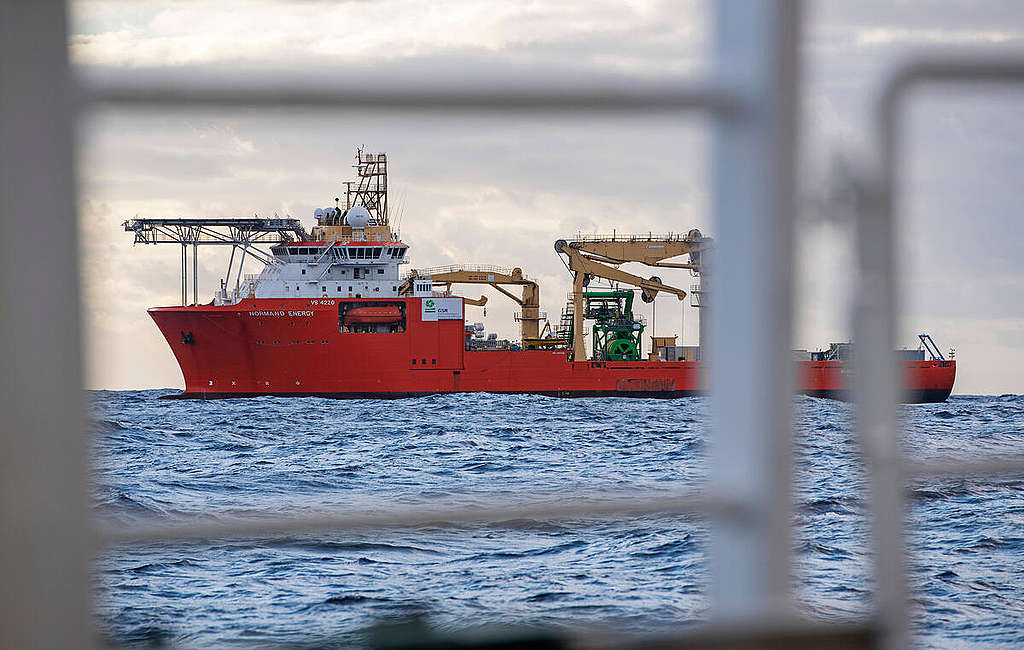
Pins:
<point x="300" y="347"/>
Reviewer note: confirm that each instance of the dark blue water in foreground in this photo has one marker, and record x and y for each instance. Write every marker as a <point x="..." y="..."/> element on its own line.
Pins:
<point x="172" y="459"/>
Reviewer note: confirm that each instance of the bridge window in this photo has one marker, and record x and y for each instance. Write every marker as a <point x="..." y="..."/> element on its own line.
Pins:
<point x="293" y="251"/>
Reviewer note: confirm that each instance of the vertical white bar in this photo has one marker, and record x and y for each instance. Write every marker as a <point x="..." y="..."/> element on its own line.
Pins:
<point x="45" y="546"/>
<point x="751" y="318"/>
<point x="877" y="382"/>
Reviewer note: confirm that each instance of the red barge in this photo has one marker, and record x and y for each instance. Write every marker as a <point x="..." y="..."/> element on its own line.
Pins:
<point x="331" y="315"/>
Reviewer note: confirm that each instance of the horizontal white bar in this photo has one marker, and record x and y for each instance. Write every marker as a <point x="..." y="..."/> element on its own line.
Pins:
<point x="935" y="69"/>
<point x="511" y="515"/>
<point x="1005" y="466"/>
<point x="493" y="93"/>
<point x="959" y="68"/>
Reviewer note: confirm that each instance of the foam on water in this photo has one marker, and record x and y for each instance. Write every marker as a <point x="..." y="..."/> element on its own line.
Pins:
<point x="173" y="459"/>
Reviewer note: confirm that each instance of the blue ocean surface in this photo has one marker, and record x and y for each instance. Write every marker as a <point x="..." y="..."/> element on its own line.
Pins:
<point x="173" y="459"/>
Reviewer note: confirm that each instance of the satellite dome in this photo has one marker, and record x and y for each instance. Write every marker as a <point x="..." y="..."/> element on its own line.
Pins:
<point x="358" y="216"/>
<point x="318" y="213"/>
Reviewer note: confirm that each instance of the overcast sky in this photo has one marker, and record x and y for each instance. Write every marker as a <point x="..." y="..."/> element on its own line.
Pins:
<point x="501" y="189"/>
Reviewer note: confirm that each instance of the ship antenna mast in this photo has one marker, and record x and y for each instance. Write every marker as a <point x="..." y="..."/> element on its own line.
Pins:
<point x="348" y="194"/>
<point x="372" y="190"/>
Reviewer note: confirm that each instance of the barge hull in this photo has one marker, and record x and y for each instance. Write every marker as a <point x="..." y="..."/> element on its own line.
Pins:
<point x="299" y="347"/>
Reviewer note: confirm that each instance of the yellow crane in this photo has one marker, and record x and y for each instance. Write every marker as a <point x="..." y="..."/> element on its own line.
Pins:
<point x="493" y="276"/>
<point x="600" y="256"/>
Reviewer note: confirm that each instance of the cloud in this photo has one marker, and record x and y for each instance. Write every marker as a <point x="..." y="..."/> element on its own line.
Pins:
<point x="877" y="36"/>
<point x="500" y="189"/>
<point x="302" y="34"/>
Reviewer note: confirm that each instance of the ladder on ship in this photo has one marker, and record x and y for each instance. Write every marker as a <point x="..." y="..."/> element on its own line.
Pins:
<point x="564" y="329"/>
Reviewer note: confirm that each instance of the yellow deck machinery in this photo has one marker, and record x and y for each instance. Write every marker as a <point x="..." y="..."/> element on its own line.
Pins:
<point x="496" y="277"/>
<point x="600" y="256"/>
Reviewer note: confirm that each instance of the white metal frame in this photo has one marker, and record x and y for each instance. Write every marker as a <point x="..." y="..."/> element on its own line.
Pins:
<point x="47" y="540"/>
<point x="876" y="310"/>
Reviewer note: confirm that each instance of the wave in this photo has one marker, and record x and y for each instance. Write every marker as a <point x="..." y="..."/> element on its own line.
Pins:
<point x="345" y="547"/>
<point x="165" y="459"/>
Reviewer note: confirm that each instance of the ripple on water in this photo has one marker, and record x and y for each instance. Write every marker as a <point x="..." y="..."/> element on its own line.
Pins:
<point x="170" y="459"/>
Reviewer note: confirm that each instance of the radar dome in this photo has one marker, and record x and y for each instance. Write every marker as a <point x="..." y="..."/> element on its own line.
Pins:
<point x="318" y="213"/>
<point x="358" y="216"/>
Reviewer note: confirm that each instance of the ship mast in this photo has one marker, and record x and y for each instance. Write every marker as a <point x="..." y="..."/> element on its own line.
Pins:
<point x="372" y="192"/>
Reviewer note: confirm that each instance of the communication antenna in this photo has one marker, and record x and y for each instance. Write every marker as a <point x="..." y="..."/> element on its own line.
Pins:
<point x="401" y="212"/>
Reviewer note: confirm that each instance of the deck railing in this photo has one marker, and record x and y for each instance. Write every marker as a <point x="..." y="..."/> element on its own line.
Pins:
<point x="626" y="236"/>
<point x="753" y="98"/>
<point x="473" y="268"/>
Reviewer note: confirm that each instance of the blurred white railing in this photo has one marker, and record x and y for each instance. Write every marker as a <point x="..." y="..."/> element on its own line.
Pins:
<point x="48" y="542"/>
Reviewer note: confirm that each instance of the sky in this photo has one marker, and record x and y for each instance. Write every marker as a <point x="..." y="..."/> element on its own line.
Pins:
<point x="500" y="189"/>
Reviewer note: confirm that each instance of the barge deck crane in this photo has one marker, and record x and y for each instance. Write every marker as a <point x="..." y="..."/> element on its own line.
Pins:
<point x="492" y="276"/>
<point x="590" y="257"/>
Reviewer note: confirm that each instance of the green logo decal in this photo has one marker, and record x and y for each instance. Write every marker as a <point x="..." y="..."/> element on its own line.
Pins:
<point x="429" y="304"/>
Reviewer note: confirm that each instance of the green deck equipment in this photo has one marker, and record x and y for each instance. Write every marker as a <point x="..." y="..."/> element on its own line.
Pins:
<point x="617" y="334"/>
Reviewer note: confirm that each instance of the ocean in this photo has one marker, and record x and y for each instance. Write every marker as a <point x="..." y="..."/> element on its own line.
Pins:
<point x="171" y="459"/>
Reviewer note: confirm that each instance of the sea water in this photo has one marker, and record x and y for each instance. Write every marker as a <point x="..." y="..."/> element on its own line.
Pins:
<point x="173" y="459"/>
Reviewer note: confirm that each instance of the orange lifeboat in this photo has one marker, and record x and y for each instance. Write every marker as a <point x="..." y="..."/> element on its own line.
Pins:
<point x="373" y="315"/>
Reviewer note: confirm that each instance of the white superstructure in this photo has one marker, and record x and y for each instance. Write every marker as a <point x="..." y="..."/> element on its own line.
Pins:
<point x="351" y="253"/>
<point x="338" y="269"/>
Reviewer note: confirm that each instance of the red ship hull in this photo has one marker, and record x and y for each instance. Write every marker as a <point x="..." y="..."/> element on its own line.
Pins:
<point x="296" y="347"/>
